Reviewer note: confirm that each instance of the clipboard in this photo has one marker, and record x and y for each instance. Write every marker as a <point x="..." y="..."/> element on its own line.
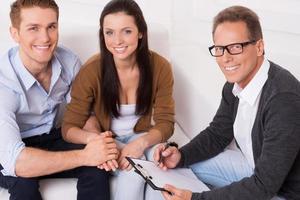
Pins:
<point x="138" y="168"/>
<point x="154" y="176"/>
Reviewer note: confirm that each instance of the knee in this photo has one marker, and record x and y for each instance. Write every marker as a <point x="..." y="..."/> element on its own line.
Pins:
<point x="94" y="174"/>
<point x="24" y="188"/>
<point x="93" y="183"/>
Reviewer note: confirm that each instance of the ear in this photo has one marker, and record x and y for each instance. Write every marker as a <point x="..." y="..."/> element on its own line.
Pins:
<point x="140" y="35"/>
<point x="260" y="47"/>
<point x="14" y="33"/>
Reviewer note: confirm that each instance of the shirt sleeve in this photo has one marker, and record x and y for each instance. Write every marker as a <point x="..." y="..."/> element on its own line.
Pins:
<point x="82" y="98"/>
<point x="76" y="69"/>
<point x="11" y="143"/>
<point x="164" y="106"/>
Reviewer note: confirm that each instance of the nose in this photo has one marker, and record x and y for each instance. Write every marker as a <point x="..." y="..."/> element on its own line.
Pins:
<point x="44" y="35"/>
<point x="118" y="39"/>
<point x="227" y="57"/>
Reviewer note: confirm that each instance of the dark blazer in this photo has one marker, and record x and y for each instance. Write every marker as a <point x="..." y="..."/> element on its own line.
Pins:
<point x="275" y="141"/>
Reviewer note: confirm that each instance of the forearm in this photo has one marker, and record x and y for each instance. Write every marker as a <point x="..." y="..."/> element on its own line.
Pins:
<point x="78" y="136"/>
<point x="83" y="136"/>
<point x="34" y="162"/>
<point x="151" y="138"/>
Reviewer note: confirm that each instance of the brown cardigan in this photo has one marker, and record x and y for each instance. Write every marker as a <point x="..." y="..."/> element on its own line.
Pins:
<point x="86" y="98"/>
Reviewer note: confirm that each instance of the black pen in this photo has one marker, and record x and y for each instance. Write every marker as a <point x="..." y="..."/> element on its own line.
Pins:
<point x="167" y="145"/>
<point x="160" y="154"/>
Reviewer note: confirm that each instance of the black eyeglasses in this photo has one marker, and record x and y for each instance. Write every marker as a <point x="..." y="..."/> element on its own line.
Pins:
<point x="233" y="49"/>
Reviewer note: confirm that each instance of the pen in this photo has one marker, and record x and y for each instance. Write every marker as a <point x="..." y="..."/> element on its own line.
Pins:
<point x="167" y="145"/>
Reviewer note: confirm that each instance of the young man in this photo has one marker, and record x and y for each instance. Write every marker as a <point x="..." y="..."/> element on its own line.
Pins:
<point x="259" y="116"/>
<point x="35" y="80"/>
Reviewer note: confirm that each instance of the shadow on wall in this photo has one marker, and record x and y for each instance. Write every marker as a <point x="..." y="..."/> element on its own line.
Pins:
<point x="83" y="41"/>
<point x="158" y="38"/>
<point x="193" y="110"/>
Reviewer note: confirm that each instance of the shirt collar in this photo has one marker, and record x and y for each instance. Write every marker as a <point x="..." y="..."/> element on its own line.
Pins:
<point x="28" y="79"/>
<point x="251" y="92"/>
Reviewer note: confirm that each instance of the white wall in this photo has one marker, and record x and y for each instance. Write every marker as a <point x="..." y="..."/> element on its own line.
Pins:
<point x="198" y="81"/>
<point x="191" y="35"/>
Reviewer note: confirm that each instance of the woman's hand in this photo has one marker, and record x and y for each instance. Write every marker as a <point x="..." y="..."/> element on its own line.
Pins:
<point x="134" y="149"/>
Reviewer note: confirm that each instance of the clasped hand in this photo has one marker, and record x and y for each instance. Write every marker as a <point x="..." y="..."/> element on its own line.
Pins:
<point x="133" y="149"/>
<point x="101" y="148"/>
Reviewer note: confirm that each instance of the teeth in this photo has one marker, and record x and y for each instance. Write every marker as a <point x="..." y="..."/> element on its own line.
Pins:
<point x="231" y="68"/>
<point x="120" y="49"/>
<point x="42" y="47"/>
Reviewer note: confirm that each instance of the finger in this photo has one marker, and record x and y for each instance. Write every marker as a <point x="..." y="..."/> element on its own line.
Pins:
<point x="161" y="165"/>
<point x="111" y="157"/>
<point x="111" y="145"/>
<point x="112" y="151"/>
<point x="100" y="167"/>
<point x="169" y="151"/>
<point x="120" y="159"/>
<point x="106" y="134"/>
<point x="115" y="163"/>
<point x="124" y="164"/>
<point x="129" y="167"/>
<point x="172" y="189"/>
<point x="109" y="140"/>
<point x="157" y="152"/>
<point x="166" y="195"/>
<point x="111" y="165"/>
<point x="106" y="167"/>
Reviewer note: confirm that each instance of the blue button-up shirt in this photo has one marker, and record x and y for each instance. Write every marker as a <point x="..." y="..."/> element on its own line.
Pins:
<point x="26" y="109"/>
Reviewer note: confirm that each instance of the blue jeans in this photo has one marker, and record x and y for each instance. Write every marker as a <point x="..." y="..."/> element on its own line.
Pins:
<point x="129" y="184"/>
<point x="223" y="169"/>
<point x="92" y="182"/>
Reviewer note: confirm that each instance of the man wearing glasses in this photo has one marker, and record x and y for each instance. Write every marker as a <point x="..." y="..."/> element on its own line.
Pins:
<point x="251" y="148"/>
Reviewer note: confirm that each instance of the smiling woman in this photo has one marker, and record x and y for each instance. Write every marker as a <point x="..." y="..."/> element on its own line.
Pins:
<point x="126" y="85"/>
<point x="121" y="37"/>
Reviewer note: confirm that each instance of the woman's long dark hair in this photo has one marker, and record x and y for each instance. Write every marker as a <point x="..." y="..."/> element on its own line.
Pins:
<point x="110" y="83"/>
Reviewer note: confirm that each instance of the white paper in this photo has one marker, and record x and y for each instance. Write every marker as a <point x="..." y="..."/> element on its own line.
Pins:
<point x="182" y="178"/>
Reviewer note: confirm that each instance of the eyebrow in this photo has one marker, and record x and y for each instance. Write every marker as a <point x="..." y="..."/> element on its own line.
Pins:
<point x="34" y="24"/>
<point x="121" y="29"/>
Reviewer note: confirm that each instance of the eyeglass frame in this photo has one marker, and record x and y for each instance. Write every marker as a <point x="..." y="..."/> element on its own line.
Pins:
<point x="243" y="44"/>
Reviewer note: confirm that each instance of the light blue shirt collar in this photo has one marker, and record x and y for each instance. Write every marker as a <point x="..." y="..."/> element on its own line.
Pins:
<point x="28" y="79"/>
<point x="251" y="92"/>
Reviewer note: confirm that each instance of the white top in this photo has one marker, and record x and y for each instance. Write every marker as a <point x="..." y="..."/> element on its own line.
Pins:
<point x="124" y="124"/>
<point x="247" y="109"/>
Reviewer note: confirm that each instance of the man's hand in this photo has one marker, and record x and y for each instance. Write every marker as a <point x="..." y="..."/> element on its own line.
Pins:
<point x="166" y="157"/>
<point x="100" y="149"/>
<point x="177" y="194"/>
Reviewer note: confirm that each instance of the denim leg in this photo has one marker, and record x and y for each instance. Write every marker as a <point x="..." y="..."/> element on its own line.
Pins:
<point x="21" y="188"/>
<point x="93" y="184"/>
<point x="129" y="184"/>
<point x="223" y="169"/>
